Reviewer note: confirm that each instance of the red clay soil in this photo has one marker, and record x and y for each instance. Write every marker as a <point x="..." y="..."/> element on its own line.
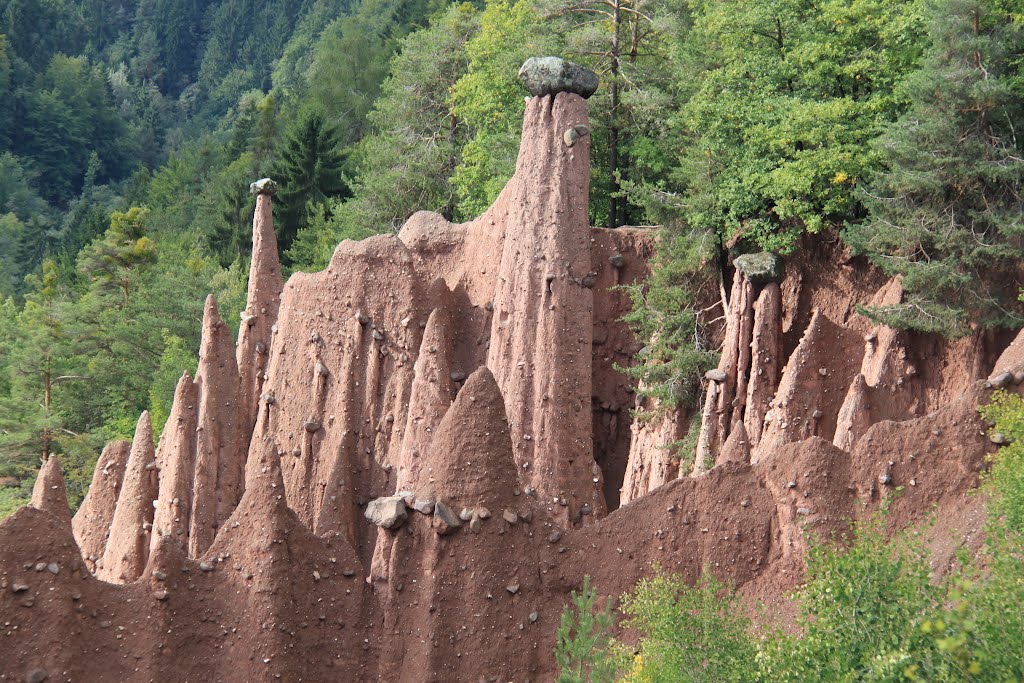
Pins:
<point x="468" y="370"/>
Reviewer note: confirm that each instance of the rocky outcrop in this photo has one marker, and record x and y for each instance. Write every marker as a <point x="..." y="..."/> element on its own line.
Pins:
<point x="49" y="493"/>
<point x="261" y="306"/>
<point x="91" y="524"/>
<point x="127" y="549"/>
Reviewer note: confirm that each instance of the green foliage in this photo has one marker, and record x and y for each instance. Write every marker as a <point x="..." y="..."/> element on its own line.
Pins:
<point x="947" y="212"/>
<point x="1006" y="476"/>
<point x="67" y="114"/>
<point x="689" y="633"/>
<point x="39" y="361"/>
<point x="177" y="359"/>
<point x="489" y="99"/>
<point x="585" y="651"/>
<point x="14" y="493"/>
<point x="676" y="353"/>
<point x="367" y="38"/>
<point x="309" y="172"/>
<point x="114" y="263"/>
<point x="772" y="132"/>
<point x="861" y="611"/>
<point x="405" y="163"/>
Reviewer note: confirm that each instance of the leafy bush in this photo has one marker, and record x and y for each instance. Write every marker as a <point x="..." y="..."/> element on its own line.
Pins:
<point x="586" y="652"/>
<point x="690" y="634"/>
<point x="861" y="611"/>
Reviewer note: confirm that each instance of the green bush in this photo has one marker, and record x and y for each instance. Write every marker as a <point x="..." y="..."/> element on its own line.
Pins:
<point x="690" y="634"/>
<point x="586" y="652"/>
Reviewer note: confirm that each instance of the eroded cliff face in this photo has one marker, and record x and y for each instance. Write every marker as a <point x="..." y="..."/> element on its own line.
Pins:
<point x="465" y="375"/>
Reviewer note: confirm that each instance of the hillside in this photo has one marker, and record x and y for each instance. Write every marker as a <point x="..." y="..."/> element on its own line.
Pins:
<point x="457" y="366"/>
<point x="696" y="357"/>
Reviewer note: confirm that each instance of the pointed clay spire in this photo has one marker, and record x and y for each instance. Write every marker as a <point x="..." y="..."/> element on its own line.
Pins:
<point x="165" y="556"/>
<point x="49" y="493"/>
<point x="219" y="464"/>
<point x="541" y="329"/>
<point x="652" y="461"/>
<point x="91" y="524"/>
<point x="128" y="547"/>
<point x="262" y="526"/>
<point x="176" y="460"/>
<point x="737" y="446"/>
<point x="743" y="354"/>
<point x="260" y="314"/>
<point x="264" y="481"/>
<point x="854" y="415"/>
<point x="729" y="392"/>
<point x="766" y="351"/>
<point x="709" y="435"/>
<point x="815" y="379"/>
<point x="430" y="398"/>
<point x="470" y="459"/>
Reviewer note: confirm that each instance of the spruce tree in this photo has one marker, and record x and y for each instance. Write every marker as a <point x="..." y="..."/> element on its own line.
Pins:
<point x="309" y="171"/>
<point x="39" y="359"/>
<point x="114" y="262"/>
<point x="948" y="214"/>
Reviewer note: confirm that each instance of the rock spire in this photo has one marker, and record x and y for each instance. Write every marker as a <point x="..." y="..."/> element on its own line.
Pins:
<point x="127" y="550"/>
<point x="261" y="306"/>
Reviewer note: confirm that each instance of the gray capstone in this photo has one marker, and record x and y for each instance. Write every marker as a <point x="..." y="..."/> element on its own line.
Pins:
<point x="716" y="375"/>
<point x="1003" y="379"/>
<point x="388" y="512"/>
<point x="263" y="186"/>
<point x="552" y="75"/>
<point x="760" y="268"/>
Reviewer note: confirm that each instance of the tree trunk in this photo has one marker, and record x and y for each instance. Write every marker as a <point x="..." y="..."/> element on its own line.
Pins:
<point x="47" y="400"/>
<point x="613" y="127"/>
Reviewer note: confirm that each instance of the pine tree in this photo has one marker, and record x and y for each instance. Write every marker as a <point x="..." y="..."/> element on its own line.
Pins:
<point x="40" y="359"/>
<point x="113" y="263"/>
<point x="585" y="650"/>
<point x="309" y="171"/>
<point x="948" y="214"/>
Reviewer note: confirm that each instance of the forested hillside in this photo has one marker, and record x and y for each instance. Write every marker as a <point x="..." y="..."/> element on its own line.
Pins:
<point x="129" y="132"/>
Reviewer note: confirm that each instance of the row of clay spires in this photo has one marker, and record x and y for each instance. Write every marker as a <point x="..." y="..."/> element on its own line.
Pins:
<point x="754" y="406"/>
<point x="197" y="470"/>
<point x="188" y="486"/>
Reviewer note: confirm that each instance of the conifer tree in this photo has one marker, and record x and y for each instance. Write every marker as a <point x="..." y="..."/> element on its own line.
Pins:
<point x="113" y="262"/>
<point x="948" y="214"/>
<point x="309" y="171"/>
<point x="585" y="650"/>
<point x="40" y="359"/>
